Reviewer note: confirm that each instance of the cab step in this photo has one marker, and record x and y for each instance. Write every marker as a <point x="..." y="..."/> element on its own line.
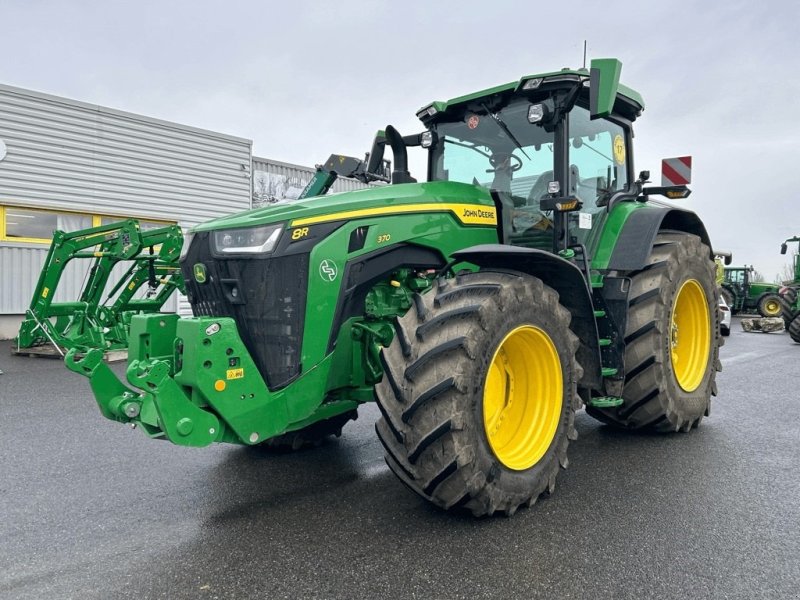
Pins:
<point x="605" y="402"/>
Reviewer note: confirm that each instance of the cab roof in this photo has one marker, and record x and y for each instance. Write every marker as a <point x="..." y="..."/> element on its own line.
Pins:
<point x="434" y="108"/>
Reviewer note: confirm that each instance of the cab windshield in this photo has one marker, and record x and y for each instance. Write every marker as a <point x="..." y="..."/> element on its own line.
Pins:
<point x="506" y="154"/>
<point x="501" y="151"/>
<point x="514" y="159"/>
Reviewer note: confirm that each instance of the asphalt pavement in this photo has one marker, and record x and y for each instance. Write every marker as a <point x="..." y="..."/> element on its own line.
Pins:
<point x="91" y="509"/>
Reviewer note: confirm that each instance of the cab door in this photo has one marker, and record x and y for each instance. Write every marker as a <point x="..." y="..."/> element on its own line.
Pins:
<point x="599" y="166"/>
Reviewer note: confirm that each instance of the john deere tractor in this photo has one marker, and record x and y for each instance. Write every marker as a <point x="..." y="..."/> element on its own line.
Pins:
<point x="529" y="275"/>
<point x="745" y="295"/>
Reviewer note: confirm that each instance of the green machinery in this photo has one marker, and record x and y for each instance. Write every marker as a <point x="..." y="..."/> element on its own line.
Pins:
<point x="530" y="274"/>
<point x="791" y="298"/>
<point x="100" y="317"/>
<point x="744" y="295"/>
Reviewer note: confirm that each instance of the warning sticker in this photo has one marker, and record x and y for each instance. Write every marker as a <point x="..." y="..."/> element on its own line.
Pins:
<point x="234" y="373"/>
<point x="473" y="121"/>
<point x="619" y="149"/>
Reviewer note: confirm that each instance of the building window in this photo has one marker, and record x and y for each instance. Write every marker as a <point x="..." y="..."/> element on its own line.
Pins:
<point x="23" y="223"/>
<point x="144" y="224"/>
<point x="33" y="225"/>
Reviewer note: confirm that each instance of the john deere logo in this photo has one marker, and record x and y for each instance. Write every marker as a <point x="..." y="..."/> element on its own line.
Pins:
<point x="328" y="270"/>
<point x="200" y="273"/>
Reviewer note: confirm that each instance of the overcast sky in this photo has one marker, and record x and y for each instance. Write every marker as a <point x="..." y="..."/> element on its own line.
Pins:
<point x="305" y="79"/>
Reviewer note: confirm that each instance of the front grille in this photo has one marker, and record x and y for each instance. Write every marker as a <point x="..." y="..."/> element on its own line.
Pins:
<point x="265" y="296"/>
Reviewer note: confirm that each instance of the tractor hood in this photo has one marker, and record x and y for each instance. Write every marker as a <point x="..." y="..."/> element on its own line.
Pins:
<point x="384" y="200"/>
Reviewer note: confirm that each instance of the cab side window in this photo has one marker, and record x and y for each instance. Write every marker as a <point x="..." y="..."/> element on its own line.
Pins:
<point x="598" y="167"/>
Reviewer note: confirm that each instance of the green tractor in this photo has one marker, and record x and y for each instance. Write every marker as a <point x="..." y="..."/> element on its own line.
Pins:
<point x="530" y="275"/>
<point x="791" y="298"/>
<point x="744" y="295"/>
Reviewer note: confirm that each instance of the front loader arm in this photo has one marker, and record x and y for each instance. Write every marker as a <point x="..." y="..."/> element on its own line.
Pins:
<point x="118" y="240"/>
<point x="86" y="322"/>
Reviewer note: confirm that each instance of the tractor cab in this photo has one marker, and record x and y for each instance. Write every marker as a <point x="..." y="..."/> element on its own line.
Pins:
<point x="553" y="150"/>
<point x="533" y="148"/>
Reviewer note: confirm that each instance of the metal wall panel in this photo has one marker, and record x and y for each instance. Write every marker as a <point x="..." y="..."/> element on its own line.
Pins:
<point x="75" y="156"/>
<point x="68" y="155"/>
<point x="24" y="263"/>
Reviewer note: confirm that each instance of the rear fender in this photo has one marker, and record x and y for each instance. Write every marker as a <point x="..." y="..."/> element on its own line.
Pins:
<point x="561" y="275"/>
<point x="635" y="240"/>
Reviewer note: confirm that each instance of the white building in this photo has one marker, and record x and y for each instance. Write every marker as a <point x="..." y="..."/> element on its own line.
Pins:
<point x="70" y="165"/>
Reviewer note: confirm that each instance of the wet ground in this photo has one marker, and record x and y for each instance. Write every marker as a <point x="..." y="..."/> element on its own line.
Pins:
<point x="91" y="509"/>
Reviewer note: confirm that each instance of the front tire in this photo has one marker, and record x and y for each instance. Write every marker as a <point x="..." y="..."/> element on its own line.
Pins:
<point x="794" y="328"/>
<point x="478" y="397"/>
<point x="671" y="339"/>
<point x="787" y="307"/>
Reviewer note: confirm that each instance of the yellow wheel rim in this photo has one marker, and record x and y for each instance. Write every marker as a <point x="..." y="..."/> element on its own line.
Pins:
<point x="772" y="308"/>
<point x="522" y="397"/>
<point x="690" y="335"/>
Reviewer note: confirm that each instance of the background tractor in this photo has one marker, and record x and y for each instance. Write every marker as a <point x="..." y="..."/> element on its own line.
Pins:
<point x="791" y="297"/>
<point x="743" y="295"/>
<point x="531" y="274"/>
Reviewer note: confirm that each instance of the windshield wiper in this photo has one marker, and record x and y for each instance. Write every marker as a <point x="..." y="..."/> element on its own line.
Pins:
<point x="506" y="130"/>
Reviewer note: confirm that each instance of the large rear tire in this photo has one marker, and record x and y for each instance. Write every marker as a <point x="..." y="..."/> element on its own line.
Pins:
<point x="672" y="339"/>
<point x="769" y="305"/>
<point x="479" y="395"/>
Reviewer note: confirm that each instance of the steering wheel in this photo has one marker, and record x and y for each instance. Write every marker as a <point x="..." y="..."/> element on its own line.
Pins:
<point x="504" y="161"/>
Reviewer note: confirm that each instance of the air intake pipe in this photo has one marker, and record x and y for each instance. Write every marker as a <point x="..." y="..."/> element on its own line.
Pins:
<point x="400" y="173"/>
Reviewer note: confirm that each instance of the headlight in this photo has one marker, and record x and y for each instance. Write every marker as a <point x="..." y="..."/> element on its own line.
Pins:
<point x="187" y="241"/>
<point x="250" y="240"/>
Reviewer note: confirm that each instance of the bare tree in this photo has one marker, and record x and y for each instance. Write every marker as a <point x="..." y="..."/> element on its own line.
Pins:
<point x="785" y="274"/>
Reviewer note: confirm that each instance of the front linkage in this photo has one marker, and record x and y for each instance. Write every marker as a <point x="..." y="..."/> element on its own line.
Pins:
<point x="193" y="381"/>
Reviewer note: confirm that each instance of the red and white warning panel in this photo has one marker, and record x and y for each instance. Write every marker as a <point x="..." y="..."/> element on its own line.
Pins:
<point x="676" y="171"/>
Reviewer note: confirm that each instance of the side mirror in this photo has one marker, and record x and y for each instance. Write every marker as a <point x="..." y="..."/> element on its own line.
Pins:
<point x="726" y="257"/>
<point x="783" y="248"/>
